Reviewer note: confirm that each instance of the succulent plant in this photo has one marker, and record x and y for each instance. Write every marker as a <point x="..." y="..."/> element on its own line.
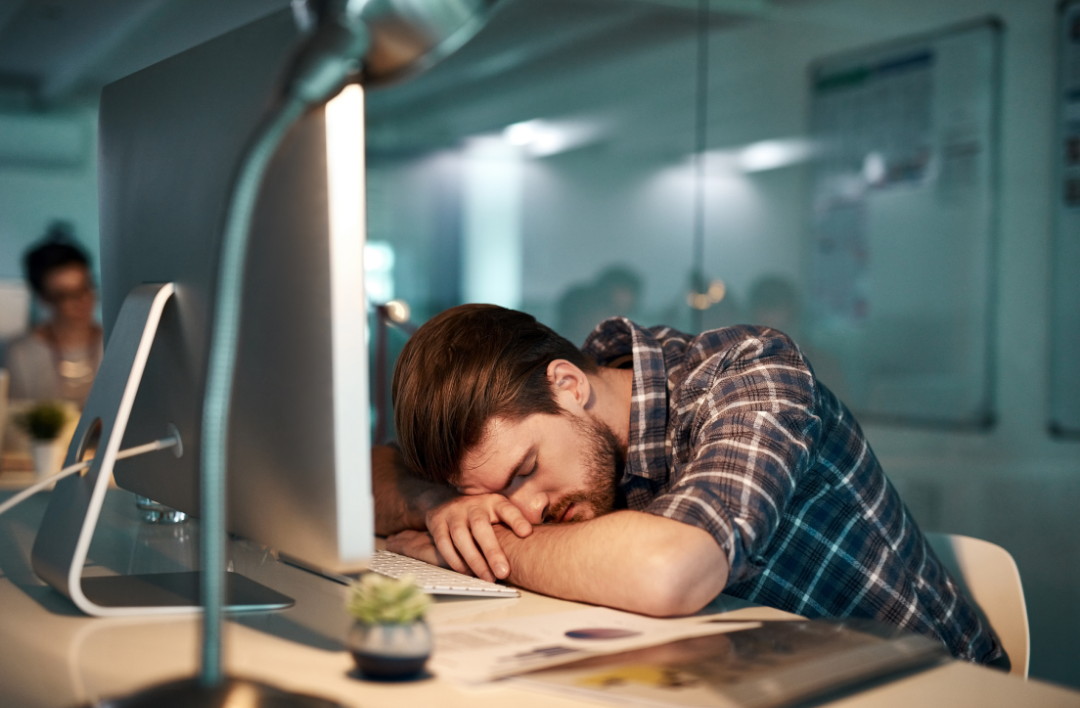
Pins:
<point x="376" y="599"/>
<point x="43" y="421"/>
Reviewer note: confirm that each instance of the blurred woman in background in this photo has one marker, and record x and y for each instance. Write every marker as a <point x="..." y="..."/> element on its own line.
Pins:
<point x="59" y="357"/>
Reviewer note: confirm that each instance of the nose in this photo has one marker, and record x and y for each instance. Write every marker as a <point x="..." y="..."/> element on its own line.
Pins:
<point x="532" y="502"/>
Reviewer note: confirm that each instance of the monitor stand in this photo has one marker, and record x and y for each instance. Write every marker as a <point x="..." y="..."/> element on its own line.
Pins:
<point x="75" y="504"/>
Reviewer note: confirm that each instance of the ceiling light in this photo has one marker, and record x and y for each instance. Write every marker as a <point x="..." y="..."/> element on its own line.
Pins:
<point x="541" y="138"/>
<point x="771" y="154"/>
<point x="522" y="134"/>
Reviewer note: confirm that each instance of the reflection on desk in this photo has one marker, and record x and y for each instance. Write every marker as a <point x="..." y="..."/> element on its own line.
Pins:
<point x="55" y="656"/>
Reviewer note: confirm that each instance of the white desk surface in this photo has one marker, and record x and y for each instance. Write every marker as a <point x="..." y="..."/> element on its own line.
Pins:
<point x="52" y="655"/>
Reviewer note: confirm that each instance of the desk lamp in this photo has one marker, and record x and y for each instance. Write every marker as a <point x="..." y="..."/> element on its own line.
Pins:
<point x="373" y="41"/>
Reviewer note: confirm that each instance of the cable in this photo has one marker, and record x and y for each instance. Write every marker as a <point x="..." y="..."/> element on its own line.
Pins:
<point x="30" y="491"/>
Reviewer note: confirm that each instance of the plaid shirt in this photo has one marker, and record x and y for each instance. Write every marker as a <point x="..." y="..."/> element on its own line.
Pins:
<point x="731" y="432"/>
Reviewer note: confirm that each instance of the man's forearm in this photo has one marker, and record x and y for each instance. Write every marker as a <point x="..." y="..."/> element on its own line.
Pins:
<point x="628" y="560"/>
<point x="401" y="498"/>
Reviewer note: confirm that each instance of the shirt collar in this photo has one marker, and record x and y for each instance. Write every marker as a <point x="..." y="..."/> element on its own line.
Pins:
<point x="616" y="338"/>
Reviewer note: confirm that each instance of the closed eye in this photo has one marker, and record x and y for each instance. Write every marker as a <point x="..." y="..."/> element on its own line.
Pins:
<point x="518" y="470"/>
<point x="536" y="463"/>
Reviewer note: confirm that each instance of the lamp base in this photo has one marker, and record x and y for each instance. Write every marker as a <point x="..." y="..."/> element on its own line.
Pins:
<point x="231" y="693"/>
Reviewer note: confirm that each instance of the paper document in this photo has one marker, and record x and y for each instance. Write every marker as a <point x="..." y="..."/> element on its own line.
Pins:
<point x="473" y="653"/>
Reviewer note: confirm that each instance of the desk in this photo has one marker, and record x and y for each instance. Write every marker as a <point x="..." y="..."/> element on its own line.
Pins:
<point x="51" y="655"/>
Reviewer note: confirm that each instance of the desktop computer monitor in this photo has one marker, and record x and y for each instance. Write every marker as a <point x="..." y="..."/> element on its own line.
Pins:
<point x="172" y="137"/>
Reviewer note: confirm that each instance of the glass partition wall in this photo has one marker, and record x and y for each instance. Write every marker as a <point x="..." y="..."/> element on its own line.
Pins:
<point x="789" y="163"/>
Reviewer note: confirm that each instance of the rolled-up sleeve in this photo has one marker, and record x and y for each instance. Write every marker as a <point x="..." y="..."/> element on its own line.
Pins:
<point x="752" y="433"/>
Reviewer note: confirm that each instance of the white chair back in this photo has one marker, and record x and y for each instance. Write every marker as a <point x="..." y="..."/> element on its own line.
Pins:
<point x="988" y="574"/>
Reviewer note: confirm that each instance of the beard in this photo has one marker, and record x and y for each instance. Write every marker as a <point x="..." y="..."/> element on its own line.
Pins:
<point x="603" y="469"/>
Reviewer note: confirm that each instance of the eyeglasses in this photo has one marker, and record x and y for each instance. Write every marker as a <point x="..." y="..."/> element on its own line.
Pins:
<point x="57" y="297"/>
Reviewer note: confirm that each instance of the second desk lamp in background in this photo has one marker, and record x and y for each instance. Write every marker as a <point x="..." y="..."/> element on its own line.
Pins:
<point x="376" y="41"/>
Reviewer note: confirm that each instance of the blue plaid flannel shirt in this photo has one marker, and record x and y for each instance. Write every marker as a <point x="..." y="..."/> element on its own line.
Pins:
<point x="731" y="432"/>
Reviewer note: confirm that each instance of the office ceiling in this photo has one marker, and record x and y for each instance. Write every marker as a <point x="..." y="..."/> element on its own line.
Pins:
<point x="57" y="51"/>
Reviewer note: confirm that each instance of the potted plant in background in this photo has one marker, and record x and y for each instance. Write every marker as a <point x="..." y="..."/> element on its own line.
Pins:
<point x="43" y="422"/>
<point x="389" y="638"/>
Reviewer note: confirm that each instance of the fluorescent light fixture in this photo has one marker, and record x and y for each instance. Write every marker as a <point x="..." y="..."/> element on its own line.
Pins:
<point x="379" y="271"/>
<point x="491" y="239"/>
<point x="541" y="138"/>
<point x="378" y="257"/>
<point x="772" y="154"/>
<point x="522" y="134"/>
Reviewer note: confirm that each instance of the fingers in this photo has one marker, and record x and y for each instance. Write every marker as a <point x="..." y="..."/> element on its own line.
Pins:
<point x="512" y="517"/>
<point x="397" y="542"/>
<point x="492" y="551"/>
<point x="440" y="535"/>
<point x="415" y="544"/>
<point x="462" y="532"/>
<point x="458" y="539"/>
<point x="464" y="538"/>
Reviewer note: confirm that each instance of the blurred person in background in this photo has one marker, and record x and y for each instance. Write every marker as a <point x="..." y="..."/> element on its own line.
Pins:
<point x="59" y="357"/>
<point x="775" y="302"/>
<point x="615" y="292"/>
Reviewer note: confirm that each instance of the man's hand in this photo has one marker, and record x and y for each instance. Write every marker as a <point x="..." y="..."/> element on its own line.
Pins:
<point x="461" y="530"/>
<point x="416" y="544"/>
<point x="401" y="498"/>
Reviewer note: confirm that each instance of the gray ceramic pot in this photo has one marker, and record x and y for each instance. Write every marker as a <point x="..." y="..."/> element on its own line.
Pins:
<point x="390" y="651"/>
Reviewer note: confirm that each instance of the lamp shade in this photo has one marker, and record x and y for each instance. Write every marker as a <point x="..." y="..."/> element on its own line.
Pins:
<point x="409" y="36"/>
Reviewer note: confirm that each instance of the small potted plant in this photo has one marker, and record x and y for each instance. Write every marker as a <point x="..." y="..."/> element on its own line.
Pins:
<point x="43" y="422"/>
<point x="389" y="638"/>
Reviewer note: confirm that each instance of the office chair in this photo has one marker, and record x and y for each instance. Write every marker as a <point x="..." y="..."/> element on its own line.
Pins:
<point x="988" y="575"/>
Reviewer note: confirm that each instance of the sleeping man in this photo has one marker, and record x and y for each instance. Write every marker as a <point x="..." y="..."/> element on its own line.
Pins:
<point x="649" y="471"/>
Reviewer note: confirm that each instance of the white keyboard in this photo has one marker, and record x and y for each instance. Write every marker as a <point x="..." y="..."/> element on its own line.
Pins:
<point x="435" y="580"/>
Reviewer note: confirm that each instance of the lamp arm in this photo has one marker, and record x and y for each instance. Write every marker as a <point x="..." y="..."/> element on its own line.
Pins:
<point x="322" y="66"/>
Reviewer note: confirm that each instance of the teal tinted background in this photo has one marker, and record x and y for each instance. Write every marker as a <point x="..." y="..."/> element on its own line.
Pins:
<point x="616" y="77"/>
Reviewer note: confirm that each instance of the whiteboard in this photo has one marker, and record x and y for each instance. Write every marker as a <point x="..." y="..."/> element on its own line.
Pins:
<point x="1065" y="314"/>
<point x="902" y="222"/>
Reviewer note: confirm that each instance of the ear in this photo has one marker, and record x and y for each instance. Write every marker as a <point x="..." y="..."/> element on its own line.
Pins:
<point x="570" y="385"/>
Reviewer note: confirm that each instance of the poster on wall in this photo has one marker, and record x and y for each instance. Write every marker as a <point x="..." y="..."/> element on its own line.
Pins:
<point x="902" y="224"/>
<point x="1064" y="393"/>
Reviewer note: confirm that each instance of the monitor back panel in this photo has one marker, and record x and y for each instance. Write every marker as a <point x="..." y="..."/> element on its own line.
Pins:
<point x="172" y="137"/>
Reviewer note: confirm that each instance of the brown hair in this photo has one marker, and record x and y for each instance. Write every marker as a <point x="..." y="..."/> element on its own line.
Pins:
<point x="465" y="366"/>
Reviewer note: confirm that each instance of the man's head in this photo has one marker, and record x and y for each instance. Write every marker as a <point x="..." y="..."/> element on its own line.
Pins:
<point x="490" y="400"/>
